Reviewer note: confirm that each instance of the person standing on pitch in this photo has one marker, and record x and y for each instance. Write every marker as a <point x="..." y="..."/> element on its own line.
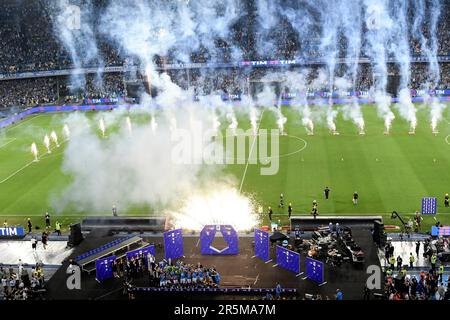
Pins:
<point x="315" y="211"/>
<point x="58" y="228"/>
<point x="290" y="210"/>
<point x="47" y="220"/>
<point x="270" y="213"/>
<point x="355" y="198"/>
<point x="418" y="219"/>
<point x="446" y="201"/>
<point x="326" y="192"/>
<point x="114" y="210"/>
<point x="281" y="205"/>
<point x="30" y="226"/>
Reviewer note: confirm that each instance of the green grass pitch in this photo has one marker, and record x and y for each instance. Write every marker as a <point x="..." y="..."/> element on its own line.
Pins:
<point x="390" y="172"/>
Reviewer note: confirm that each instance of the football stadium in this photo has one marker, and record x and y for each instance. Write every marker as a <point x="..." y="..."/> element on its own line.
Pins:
<point x="236" y="150"/>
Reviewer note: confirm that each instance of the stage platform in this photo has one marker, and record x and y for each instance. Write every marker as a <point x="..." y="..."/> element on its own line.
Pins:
<point x="129" y="224"/>
<point x="308" y="222"/>
<point x="236" y="271"/>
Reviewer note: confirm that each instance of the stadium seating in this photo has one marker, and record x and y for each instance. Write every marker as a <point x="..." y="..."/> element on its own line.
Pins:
<point x="102" y="248"/>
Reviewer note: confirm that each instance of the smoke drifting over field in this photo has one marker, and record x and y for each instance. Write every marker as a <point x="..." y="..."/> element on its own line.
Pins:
<point x="133" y="167"/>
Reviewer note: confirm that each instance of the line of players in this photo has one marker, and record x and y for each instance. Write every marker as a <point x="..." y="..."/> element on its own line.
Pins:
<point x="326" y="191"/>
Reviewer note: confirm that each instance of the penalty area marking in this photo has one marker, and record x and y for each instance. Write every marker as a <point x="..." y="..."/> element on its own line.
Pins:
<point x="28" y="164"/>
<point x="447" y="139"/>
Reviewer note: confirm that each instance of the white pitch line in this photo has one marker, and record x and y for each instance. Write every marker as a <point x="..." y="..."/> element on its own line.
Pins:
<point x="4" y="145"/>
<point x="23" y="122"/>
<point x="256" y="280"/>
<point x="446" y="139"/>
<point x="250" y="153"/>
<point x="27" y="165"/>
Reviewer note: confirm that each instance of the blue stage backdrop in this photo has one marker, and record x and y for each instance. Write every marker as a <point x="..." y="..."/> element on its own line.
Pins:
<point x="230" y="236"/>
<point x="103" y="268"/>
<point x="288" y="259"/>
<point x="429" y="205"/>
<point x="173" y="244"/>
<point x="315" y="270"/>
<point x="145" y="251"/>
<point x="262" y="245"/>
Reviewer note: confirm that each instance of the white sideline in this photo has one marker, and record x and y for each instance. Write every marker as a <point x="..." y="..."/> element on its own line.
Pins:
<point x="21" y="123"/>
<point x="28" y="164"/>
<point x="11" y="140"/>
<point x="250" y="154"/>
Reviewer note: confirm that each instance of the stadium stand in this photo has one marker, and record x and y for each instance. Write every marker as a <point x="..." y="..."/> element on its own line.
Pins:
<point x="28" y="43"/>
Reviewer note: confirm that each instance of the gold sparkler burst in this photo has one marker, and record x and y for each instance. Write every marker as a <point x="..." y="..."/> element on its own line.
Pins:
<point x="220" y="205"/>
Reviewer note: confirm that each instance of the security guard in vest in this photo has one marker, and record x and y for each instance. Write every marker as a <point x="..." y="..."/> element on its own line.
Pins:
<point x="403" y="271"/>
<point x="433" y="261"/>
<point x="411" y="260"/>
<point x="58" y="228"/>
<point x="392" y="261"/>
<point x="441" y="272"/>
<point x="389" y="272"/>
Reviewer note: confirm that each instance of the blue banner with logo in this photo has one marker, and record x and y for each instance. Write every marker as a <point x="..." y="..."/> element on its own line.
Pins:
<point x="429" y="205"/>
<point x="173" y="244"/>
<point x="288" y="259"/>
<point x="262" y="245"/>
<point x="9" y="232"/>
<point x="103" y="268"/>
<point x="315" y="270"/>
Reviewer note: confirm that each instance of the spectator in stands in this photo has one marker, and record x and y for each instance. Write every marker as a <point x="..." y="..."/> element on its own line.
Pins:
<point x="278" y="291"/>
<point x="339" y="295"/>
<point x="18" y="285"/>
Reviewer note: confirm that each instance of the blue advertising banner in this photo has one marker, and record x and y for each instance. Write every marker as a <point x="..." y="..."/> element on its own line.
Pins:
<point x="173" y="244"/>
<point x="142" y="251"/>
<point x="103" y="268"/>
<point x="262" y="245"/>
<point x="440" y="231"/>
<point x="208" y="234"/>
<point x="8" y="232"/>
<point x="314" y="98"/>
<point x="315" y="270"/>
<point x="429" y="205"/>
<point x="288" y="259"/>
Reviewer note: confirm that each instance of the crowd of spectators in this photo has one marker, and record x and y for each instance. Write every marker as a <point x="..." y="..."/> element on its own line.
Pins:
<point x="166" y="274"/>
<point x="427" y="286"/>
<point x="28" y="92"/>
<point x="28" y="41"/>
<point x="21" y="284"/>
<point x="50" y="90"/>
